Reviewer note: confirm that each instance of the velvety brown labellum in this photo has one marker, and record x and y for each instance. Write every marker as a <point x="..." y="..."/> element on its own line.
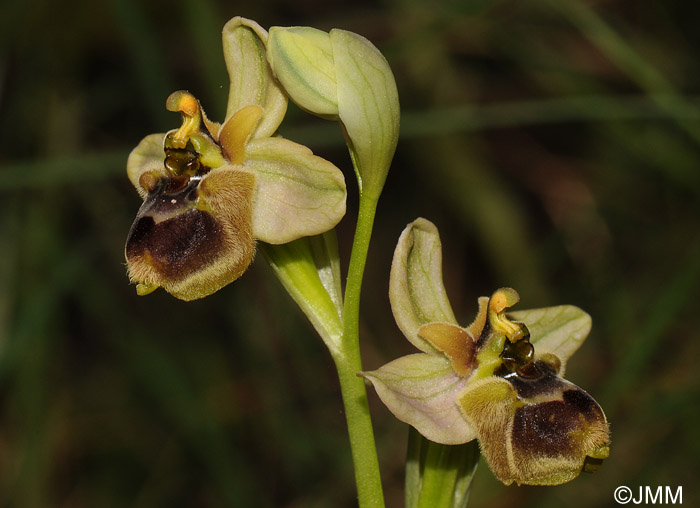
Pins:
<point x="535" y="427"/>
<point x="172" y="236"/>
<point x="193" y="236"/>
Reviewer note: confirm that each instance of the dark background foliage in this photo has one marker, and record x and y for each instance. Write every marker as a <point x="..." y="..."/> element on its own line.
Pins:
<point x="556" y="144"/>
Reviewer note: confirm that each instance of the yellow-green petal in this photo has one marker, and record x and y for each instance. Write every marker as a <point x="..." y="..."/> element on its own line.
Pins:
<point x="455" y="342"/>
<point x="557" y="330"/>
<point x="421" y="390"/>
<point x="416" y="289"/>
<point x="236" y="132"/>
<point x="251" y="79"/>
<point x="297" y="193"/>
<point x="147" y="157"/>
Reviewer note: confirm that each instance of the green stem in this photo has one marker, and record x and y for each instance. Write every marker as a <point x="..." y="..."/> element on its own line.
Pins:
<point x="446" y="473"/>
<point x="349" y="363"/>
<point x="437" y="474"/>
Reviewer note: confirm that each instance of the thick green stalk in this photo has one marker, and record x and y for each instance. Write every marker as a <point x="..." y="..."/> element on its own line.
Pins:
<point x="349" y="363"/>
<point x="437" y="475"/>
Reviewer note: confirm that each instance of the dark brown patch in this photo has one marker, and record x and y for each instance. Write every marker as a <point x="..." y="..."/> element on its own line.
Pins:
<point x="546" y="428"/>
<point x="178" y="246"/>
<point x="584" y="404"/>
<point x="543" y="428"/>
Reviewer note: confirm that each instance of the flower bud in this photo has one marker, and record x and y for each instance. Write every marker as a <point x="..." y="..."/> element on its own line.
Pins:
<point x="341" y="75"/>
<point x="302" y="60"/>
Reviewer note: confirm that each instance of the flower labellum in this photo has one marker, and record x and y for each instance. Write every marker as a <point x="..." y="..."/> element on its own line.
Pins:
<point x="534" y="427"/>
<point x="499" y="380"/>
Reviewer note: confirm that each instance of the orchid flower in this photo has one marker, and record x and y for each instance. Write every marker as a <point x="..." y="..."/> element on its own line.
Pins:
<point x="212" y="190"/>
<point x="498" y="380"/>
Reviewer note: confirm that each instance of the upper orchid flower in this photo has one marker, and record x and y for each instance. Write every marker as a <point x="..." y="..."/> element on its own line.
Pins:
<point x="211" y="190"/>
<point x="498" y="380"/>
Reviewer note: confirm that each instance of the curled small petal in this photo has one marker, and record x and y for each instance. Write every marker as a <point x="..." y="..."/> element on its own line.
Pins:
<point x="455" y="342"/>
<point x="416" y="289"/>
<point x="477" y="326"/>
<point x="236" y="132"/>
<point x="421" y="390"/>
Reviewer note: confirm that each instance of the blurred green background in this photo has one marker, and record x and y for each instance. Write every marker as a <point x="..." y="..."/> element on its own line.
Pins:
<point x="556" y="144"/>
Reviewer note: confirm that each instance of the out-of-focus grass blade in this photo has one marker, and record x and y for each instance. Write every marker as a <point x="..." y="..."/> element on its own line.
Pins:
<point x="156" y="370"/>
<point x="205" y="27"/>
<point x="414" y="125"/>
<point x="475" y="117"/>
<point x="650" y="333"/>
<point x="28" y="353"/>
<point x="62" y="171"/>
<point x="661" y="91"/>
<point x="146" y="55"/>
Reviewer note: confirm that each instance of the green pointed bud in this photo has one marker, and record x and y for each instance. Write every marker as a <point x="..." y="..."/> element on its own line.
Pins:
<point x="368" y="103"/>
<point x="302" y="60"/>
<point x="341" y="75"/>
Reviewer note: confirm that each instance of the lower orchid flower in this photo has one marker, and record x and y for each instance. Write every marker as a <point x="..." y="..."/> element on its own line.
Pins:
<point x="499" y="380"/>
